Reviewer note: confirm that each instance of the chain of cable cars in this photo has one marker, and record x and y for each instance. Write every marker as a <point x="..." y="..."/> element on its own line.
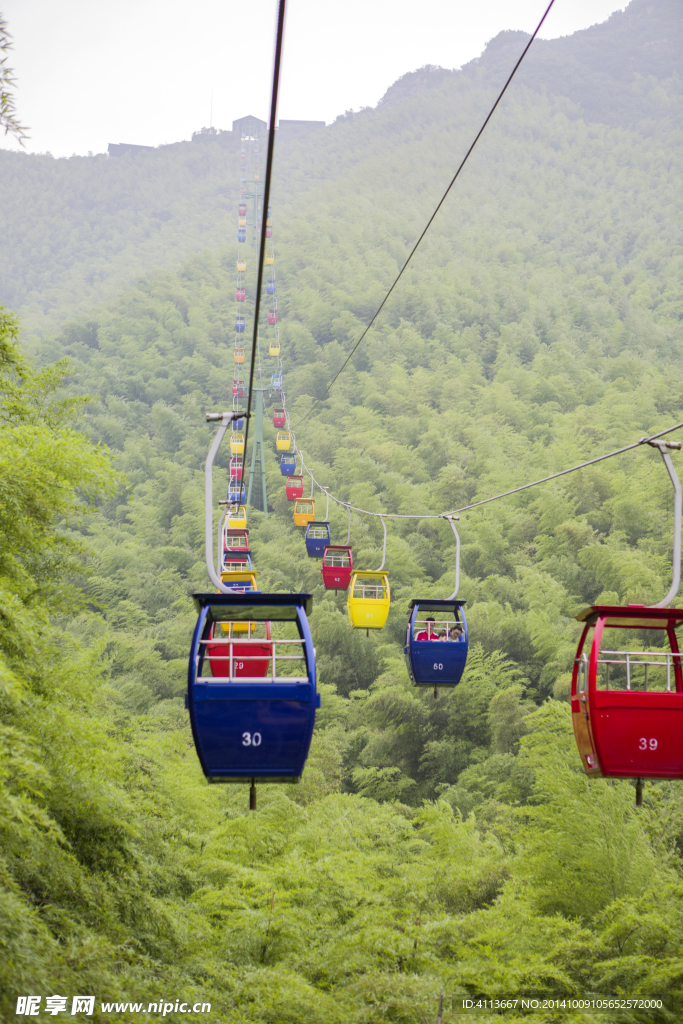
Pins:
<point x="252" y="677"/>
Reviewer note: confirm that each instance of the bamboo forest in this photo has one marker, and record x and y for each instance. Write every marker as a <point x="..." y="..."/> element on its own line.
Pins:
<point x="471" y="845"/>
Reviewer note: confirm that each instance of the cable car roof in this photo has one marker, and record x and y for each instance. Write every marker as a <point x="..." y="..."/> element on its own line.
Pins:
<point x="633" y="616"/>
<point x="434" y="604"/>
<point x="255" y="607"/>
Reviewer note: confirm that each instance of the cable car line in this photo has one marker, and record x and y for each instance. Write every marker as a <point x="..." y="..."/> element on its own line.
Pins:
<point x="266" y="200"/>
<point x="495" y="497"/>
<point x="431" y="219"/>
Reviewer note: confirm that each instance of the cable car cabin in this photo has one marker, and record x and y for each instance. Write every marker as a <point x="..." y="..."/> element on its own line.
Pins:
<point x="235" y="541"/>
<point x="369" y="599"/>
<point x="317" y="539"/>
<point x="241" y="294"/>
<point x="242" y="222"/>
<point x="252" y="686"/>
<point x="238" y="425"/>
<point x="283" y="440"/>
<point x="242" y="210"/>
<point x="230" y="566"/>
<point x="236" y="517"/>
<point x="294" y="487"/>
<point x="337" y="567"/>
<point x="270" y="287"/>
<point x="237" y="444"/>
<point x="241" y="266"/>
<point x="242" y="581"/>
<point x="279" y="418"/>
<point x="272" y="316"/>
<point x="270" y="259"/>
<point x="236" y="467"/>
<point x="304" y="511"/>
<point x="239" y="355"/>
<point x="287" y="464"/>
<point x="238" y="387"/>
<point x="276" y="381"/>
<point x="241" y="234"/>
<point x="269" y="232"/>
<point x="239" y="326"/>
<point x="627" y="697"/>
<point x="436" y="642"/>
<point x="274" y="348"/>
<point x="236" y="492"/>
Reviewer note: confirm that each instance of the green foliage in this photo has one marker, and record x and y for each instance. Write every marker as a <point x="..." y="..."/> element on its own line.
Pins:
<point x="442" y="844"/>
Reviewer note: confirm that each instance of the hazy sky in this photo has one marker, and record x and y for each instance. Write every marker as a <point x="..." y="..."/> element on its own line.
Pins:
<point x="97" y="71"/>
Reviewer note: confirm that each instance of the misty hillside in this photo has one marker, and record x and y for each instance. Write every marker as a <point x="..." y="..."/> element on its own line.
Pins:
<point x="74" y="231"/>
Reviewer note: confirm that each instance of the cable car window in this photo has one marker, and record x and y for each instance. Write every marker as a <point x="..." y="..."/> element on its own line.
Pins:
<point x="337" y="561"/>
<point x="442" y="627"/>
<point x="370" y="588"/>
<point x="640" y="671"/>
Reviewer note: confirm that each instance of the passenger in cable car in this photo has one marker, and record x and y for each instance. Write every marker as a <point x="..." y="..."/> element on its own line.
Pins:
<point x="429" y="633"/>
<point x="457" y="634"/>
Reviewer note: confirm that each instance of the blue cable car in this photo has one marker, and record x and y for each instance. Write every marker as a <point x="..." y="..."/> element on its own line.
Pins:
<point x="236" y="492"/>
<point x="317" y="539"/>
<point x="436" y="642"/>
<point x="239" y="324"/>
<point x="241" y="232"/>
<point x="251" y="694"/>
<point x="238" y="425"/>
<point x="287" y="464"/>
<point x="276" y="381"/>
<point x="270" y="287"/>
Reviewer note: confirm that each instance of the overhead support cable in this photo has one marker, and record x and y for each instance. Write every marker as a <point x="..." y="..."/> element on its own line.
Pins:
<point x="504" y="494"/>
<point x="431" y="219"/>
<point x="266" y="201"/>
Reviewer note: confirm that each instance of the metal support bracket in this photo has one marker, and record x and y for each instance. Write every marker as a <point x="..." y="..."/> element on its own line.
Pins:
<point x="457" y="558"/>
<point x="663" y="447"/>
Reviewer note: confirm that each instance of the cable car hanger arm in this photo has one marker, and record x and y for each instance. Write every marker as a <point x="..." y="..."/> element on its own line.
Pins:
<point x="678" y="503"/>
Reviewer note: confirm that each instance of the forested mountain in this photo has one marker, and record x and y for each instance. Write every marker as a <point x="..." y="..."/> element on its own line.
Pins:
<point x="75" y="231"/>
<point x="448" y="845"/>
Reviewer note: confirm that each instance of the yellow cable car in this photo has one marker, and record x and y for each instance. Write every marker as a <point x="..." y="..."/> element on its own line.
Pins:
<point x="369" y="599"/>
<point x="237" y="517"/>
<point x="239" y="355"/>
<point x="241" y="266"/>
<point x="242" y="222"/>
<point x="270" y="259"/>
<point x="274" y="348"/>
<point x="304" y="511"/>
<point x="283" y="440"/>
<point x="237" y="444"/>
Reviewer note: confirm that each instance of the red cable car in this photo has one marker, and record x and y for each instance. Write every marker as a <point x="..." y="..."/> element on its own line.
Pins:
<point x="246" y="659"/>
<point x="236" y="467"/>
<point x="240" y="294"/>
<point x="294" y="487"/>
<point x="272" y="316"/>
<point x="242" y="209"/>
<point x="627" y="705"/>
<point x="238" y="387"/>
<point x="269" y="232"/>
<point x="279" y="418"/>
<point x="235" y="542"/>
<point x="337" y="567"/>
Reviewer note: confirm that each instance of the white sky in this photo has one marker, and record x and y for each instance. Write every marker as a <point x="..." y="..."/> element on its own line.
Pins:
<point x="97" y="71"/>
